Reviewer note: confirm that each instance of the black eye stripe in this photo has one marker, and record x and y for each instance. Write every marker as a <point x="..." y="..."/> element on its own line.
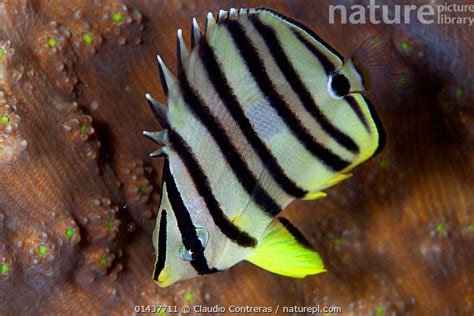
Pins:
<point x="340" y="85"/>
<point x="160" y="262"/>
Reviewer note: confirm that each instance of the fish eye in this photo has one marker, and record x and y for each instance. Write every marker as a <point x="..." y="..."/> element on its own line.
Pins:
<point x="203" y="237"/>
<point x="338" y="85"/>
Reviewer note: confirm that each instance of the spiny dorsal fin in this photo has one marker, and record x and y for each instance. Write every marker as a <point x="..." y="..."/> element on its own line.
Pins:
<point x="210" y="24"/>
<point x="158" y="137"/>
<point x="222" y="15"/>
<point x="160" y="152"/>
<point x="159" y="111"/>
<point x="233" y="13"/>
<point x="196" y="33"/>
<point x="181" y="51"/>
<point x="283" y="250"/>
<point x="166" y="76"/>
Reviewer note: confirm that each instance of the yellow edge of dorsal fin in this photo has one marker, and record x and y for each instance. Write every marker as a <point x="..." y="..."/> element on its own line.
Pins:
<point x="314" y="196"/>
<point x="283" y="250"/>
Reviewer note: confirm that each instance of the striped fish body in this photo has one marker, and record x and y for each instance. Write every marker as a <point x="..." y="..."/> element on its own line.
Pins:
<point x="262" y="111"/>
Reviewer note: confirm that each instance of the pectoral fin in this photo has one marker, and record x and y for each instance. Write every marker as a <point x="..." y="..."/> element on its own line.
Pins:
<point x="283" y="250"/>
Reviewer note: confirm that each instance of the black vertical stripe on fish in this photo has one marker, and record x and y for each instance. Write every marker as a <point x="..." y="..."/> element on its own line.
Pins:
<point x="356" y="108"/>
<point x="232" y="156"/>
<point x="295" y="232"/>
<point x="256" y="68"/>
<point x="202" y="185"/>
<point x="305" y="29"/>
<point x="267" y="33"/>
<point x="328" y="66"/>
<point x="378" y="124"/>
<point x="185" y="224"/>
<point x="160" y="262"/>
<point x="230" y="101"/>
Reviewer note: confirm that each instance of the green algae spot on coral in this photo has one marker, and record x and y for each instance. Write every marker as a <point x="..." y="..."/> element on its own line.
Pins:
<point x="458" y="92"/>
<point x="110" y="224"/>
<point x="143" y="191"/>
<point x="69" y="233"/>
<point x="4" y="268"/>
<point x="83" y="128"/>
<point x="379" y="310"/>
<point x="87" y="38"/>
<point x="188" y="297"/>
<point x="406" y="46"/>
<point x="42" y="250"/>
<point x="402" y="80"/>
<point x="440" y="228"/>
<point x="337" y="241"/>
<point x="383" y="163"/>
<point x="52" y="42"/>
<point x="470" y="228"/>
<point x="446" y="106"/>
<point x="103" y="261"/>
<point x="2" y="52"/>
<point x="117" y="17"/>
<point x="4" y="119"/>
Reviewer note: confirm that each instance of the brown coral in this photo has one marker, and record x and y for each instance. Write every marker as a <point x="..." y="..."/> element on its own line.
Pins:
<point x="76" y="202"/>
<point x="134" y="177"/>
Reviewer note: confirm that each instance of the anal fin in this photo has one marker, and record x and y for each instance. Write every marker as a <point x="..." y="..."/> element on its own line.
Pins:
<point x="283" y="250"/>
<point x="333" y="181"/>
<point x="336" y="179"/>
<point x="314" y="196"/>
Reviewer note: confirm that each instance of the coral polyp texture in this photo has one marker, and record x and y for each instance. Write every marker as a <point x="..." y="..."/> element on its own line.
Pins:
<point x="79" y="195"/>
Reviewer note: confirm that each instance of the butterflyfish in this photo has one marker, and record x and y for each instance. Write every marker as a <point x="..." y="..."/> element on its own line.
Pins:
<point x="262" y="111"/>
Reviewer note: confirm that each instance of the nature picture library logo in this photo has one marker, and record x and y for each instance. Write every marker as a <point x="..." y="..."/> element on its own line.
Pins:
<point x="375" y="12"/>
